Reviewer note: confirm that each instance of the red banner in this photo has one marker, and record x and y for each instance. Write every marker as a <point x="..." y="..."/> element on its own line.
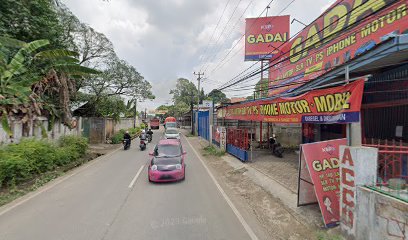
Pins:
<point x="333" y="105"/>
<point x="334" y="38"/>
<point x="264" y="36"/>
<point x="322" y="159"/>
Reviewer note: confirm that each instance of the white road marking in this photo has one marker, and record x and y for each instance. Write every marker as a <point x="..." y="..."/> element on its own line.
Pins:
<point x="227" y="199"/>
<point x="19" y="201"/>
<point x="135" y="178"/>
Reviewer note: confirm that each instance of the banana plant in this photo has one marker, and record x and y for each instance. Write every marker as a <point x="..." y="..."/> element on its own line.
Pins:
<point x="23" y="67"/>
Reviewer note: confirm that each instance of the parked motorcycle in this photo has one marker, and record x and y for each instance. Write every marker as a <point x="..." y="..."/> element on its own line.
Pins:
<point x="126" y="144"/>
<point x="277" y="148"/>
<point x="142" y="145"/>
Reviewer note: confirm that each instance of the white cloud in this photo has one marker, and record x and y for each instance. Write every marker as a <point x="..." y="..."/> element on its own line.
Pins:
<point x="165" y="39"/>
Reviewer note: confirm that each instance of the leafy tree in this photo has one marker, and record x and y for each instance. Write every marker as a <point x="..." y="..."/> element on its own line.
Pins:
<point x="185" y="92"/>
<point x="217" y="96"/>
<point x="28" y="79"/>
<point x="31" y="20"/>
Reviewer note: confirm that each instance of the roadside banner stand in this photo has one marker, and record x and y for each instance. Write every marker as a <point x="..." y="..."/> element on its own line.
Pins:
<point x="319" y="178"/>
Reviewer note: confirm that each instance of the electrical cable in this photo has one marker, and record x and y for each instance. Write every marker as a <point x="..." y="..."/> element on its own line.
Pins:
<point x="253" y="73"/>
<point x="212" y="35"/>
<point x="250" y="26"/>
<point x="226" y="25"/>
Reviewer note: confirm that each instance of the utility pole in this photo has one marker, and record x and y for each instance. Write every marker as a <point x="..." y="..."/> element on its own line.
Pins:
<point x="199" y="93"/>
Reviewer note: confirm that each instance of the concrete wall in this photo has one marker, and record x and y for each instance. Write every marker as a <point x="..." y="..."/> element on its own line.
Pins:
<point x="289" y="135"/>
<point x="98" y="134"/>
<point x="380" y="217"/>
<point x="35" y="130"/>
<point x="125" y="123"/>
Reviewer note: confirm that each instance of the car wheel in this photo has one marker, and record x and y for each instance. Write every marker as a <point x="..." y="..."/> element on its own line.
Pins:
<point x="149" y="179"/>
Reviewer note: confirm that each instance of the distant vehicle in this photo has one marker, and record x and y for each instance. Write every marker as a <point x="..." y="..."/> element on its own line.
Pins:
<point x="170" y="122"/>
<point x="170" y="125"/>
<point x="154" y="123"/>
<point x="171" y="133"/>
<point x="170" y="119"/>
<point x="168" y="162"/>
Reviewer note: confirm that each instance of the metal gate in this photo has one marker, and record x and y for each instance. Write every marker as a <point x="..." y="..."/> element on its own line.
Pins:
<point x="204" y="124"/>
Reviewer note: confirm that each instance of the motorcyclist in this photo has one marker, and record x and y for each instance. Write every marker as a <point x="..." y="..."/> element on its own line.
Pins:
<point x="127" y="137"/>
<point x="149" y="134"/>
<point x="143" y="135"/>
<point x="272" y="142"/>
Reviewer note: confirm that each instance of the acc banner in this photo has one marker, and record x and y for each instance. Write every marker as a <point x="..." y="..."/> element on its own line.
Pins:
<point x="264" y="36"/>
<point x="333" y="105"/>
<point x="322" y="161"/>
<point x="346" y="30"/>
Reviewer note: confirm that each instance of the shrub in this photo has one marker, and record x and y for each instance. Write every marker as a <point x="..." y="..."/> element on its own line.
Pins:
<point x="14" y="169"/>
<point x="78" y="144"/>
<point x="118" y="137"/>
<point x="39" y="153"/>
<point x="26" y="160"/>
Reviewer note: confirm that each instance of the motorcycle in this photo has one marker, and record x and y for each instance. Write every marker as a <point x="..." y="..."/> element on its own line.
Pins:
<point x="142" y="145"/>
<point x="277" y="148"/>
<point x="149" y="138"/>
<point x="126" y="144"/>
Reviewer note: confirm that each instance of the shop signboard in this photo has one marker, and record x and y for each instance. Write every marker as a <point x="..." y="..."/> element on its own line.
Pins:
<point x="332" y="105"/>
<point x="264" y="36"/>
<point x="319" y="176"/>
<point x="348" y="29"/>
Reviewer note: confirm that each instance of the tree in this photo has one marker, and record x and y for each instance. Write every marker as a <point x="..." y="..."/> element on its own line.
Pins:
<point x="28" y="79"/>
<point x="217" y="96"/>
<point x="185" y="92"/>
<point x="31" y="20"/>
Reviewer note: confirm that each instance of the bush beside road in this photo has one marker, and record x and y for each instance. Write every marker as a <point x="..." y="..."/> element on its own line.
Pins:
<point x="32" y="163"/>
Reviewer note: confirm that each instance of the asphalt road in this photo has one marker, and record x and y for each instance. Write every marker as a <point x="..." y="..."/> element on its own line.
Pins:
<point x="106" y="199"/>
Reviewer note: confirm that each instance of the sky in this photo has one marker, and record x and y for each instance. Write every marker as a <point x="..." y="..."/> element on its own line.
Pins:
<point x="170" y="39"/>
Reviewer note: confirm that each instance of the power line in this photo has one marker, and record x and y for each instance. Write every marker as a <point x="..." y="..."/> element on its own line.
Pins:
<point x="230" y="32"/>
<point x="249" y="28"/>
<point x="305" y="81"/>
<point x="312" y="46"/>
<point x="221" y="62"/>
<point x="284" y="44"/>
<point x="226" y="25"/>
<point x="212" y="35"/>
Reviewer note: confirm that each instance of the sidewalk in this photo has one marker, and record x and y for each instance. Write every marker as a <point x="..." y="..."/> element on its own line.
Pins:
<point x="282" y="170"/>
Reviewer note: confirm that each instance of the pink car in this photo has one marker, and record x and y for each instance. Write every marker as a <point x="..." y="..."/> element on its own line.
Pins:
<point x="167" y="164"/>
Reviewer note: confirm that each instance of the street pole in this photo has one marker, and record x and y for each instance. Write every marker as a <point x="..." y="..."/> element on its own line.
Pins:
<point x="135" y="113"/>
<point x="199" y="80"/>
<point x="348" y="126"/>
<point x="198" y="95"/>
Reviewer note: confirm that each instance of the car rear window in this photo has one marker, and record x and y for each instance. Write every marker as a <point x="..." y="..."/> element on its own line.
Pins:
<point x="171" y="131"/>
<point x="167" y="150"/>
<point x="171" y="124"/>
<point x="167" y="161"/>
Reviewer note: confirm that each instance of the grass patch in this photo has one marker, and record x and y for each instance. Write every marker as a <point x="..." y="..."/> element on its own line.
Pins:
<point x="213" y="151"/>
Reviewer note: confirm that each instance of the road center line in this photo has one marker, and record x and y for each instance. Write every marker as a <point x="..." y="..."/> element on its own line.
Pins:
<point x="135" y="178"/>
<point x="227" y="199"/>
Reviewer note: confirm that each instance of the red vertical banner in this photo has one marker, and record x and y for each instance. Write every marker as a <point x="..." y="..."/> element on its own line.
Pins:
<point x="322" y="161"/>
